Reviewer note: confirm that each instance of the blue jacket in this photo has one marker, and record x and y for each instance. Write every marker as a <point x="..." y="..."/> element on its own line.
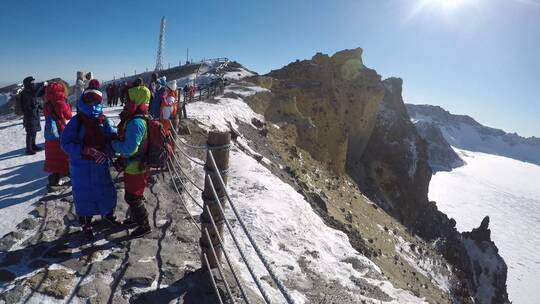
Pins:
<point x="93" y="189"/>
<point x="155" y="103"/>
<point x="134" y="139"/>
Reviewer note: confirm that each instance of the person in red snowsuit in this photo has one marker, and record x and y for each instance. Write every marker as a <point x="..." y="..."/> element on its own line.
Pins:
<point x="57" y="112"/>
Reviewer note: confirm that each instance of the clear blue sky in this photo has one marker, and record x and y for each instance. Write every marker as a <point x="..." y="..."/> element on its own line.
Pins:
<point x="476" y="57"/>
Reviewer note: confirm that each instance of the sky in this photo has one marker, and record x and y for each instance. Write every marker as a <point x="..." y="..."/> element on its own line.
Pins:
<point x="474" y="57"/>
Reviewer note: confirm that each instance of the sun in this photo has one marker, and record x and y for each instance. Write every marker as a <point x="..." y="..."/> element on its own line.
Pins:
<point x="448" y="4"/>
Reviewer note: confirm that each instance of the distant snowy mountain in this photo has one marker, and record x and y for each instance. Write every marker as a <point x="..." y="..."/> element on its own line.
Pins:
<point x="464" y="132"/>
<point x="441" y="156"/>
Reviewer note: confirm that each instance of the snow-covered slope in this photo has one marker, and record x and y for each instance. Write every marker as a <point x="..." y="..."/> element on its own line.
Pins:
<point x="506" y="190"/>
<point x="464" y="132"/>
<point x="22" y="179"/>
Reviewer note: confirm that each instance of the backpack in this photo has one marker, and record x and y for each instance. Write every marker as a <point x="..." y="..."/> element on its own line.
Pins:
<point x="18" y="106"/>
<point x="158" y="146"/>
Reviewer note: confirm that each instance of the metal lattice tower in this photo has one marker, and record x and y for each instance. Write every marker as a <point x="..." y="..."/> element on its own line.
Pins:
<point x="161" y="46"/>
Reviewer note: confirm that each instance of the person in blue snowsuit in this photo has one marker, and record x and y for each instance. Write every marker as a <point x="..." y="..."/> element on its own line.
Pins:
<point x="159" y="94"/>
<point x="87" y="142"/>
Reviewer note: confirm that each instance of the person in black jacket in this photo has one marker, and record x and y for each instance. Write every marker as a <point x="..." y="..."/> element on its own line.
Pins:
<point x="31" y="110"/>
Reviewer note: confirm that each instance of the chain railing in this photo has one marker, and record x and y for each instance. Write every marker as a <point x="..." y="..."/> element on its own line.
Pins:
<point x="214" y="207"/>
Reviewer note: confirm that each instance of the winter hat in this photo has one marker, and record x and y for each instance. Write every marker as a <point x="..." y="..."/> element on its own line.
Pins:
<point x="172" y="85"/>
<point x="28" y="80"/>
<point x="139" y="95"/>
<point x="93" y="84"/>
<point x="92" y="95"/>
<point x="163" y="81"/>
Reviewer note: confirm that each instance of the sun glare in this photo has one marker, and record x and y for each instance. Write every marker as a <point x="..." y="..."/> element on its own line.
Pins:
<point x="448" y="4"/>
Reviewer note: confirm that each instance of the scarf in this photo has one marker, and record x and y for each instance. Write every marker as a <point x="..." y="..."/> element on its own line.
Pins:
<point x="93" y="134"/>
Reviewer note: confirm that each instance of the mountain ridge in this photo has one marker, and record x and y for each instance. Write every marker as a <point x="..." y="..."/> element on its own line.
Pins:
<point x="464" y="132"/>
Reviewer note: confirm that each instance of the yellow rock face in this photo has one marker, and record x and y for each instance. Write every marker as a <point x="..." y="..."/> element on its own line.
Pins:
<point x="332" y="101"/>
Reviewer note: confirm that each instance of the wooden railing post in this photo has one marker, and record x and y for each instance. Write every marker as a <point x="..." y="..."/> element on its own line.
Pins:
<point x="221" y="156"/>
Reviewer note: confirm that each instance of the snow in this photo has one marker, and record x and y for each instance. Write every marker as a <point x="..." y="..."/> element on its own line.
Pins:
<point x="245" y="91"/>
<point x="22" y="179"/>
<point x="222" y="112"/>
<point x="237" y="75"/>
<point x="286" y="228"/>
<point x="506" y="190"/>
<point x="468" y="136"/>
<point x="437" y="270"/>
<point x="489" y="262"/>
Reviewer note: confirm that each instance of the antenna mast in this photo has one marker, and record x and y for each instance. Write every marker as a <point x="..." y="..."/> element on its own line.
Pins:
<point x="161" y="46"/>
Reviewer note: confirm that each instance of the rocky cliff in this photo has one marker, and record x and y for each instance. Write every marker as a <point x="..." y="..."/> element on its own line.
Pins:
<point x="441" y="156"/>
<point x="354" y="123"/>
<point x="394" y="169"/>
<point x="332" y="102"/>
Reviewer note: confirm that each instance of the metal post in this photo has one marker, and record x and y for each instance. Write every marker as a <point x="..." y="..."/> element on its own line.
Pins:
<point x="221" y="156"/>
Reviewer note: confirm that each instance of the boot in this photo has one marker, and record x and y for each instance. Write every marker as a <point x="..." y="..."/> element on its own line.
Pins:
<point x="29" y="143"/>
<point x="140" y="215"/>
<point x="86" y="224"/>
<point x="112" y="220"/>
<point x="54" y="179"/>
<point x="141" y="231"/>
<point x="34" y="146"/>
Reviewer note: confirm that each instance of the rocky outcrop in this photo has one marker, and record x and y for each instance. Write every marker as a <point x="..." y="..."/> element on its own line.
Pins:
<point x="331" y="100"/>
<point x="394" y="171"/>
<point x="393" y="168"/>
<point x="489" y="269"/>
<point x="441" y="156"/>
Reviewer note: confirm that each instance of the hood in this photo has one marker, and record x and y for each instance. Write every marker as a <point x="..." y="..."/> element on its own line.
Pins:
<point x="55" y="91"/>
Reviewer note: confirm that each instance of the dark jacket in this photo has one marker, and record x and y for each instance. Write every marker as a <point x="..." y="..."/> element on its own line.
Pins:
<point x="31" y="109"/>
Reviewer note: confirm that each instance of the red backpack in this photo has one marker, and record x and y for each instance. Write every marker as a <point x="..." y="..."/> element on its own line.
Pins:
<point x="159" y="147"/>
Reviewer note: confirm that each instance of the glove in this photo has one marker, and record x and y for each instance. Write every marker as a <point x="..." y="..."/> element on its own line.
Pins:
<point x="97" y="155"/>
<point x="119" y="165"/>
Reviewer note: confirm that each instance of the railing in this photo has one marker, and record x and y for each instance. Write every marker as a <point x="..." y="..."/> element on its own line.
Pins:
<point x="213" y="218"/>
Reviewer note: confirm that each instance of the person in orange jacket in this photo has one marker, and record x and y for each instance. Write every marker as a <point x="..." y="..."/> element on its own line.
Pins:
<point x="169" y="106"/>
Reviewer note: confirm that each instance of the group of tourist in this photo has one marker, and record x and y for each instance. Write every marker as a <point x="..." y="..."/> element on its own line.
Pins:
<point x="85" y="146"/>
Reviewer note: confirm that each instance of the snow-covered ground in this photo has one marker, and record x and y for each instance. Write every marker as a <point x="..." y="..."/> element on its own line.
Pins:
<point x="508" y="191"/>
<point x="22" y="179"/>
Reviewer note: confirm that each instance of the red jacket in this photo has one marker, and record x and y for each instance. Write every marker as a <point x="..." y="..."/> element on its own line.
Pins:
<point x="57" y="109"/>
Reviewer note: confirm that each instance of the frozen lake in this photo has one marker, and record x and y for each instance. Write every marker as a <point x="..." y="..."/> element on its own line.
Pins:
<point x="509" y="192"/>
